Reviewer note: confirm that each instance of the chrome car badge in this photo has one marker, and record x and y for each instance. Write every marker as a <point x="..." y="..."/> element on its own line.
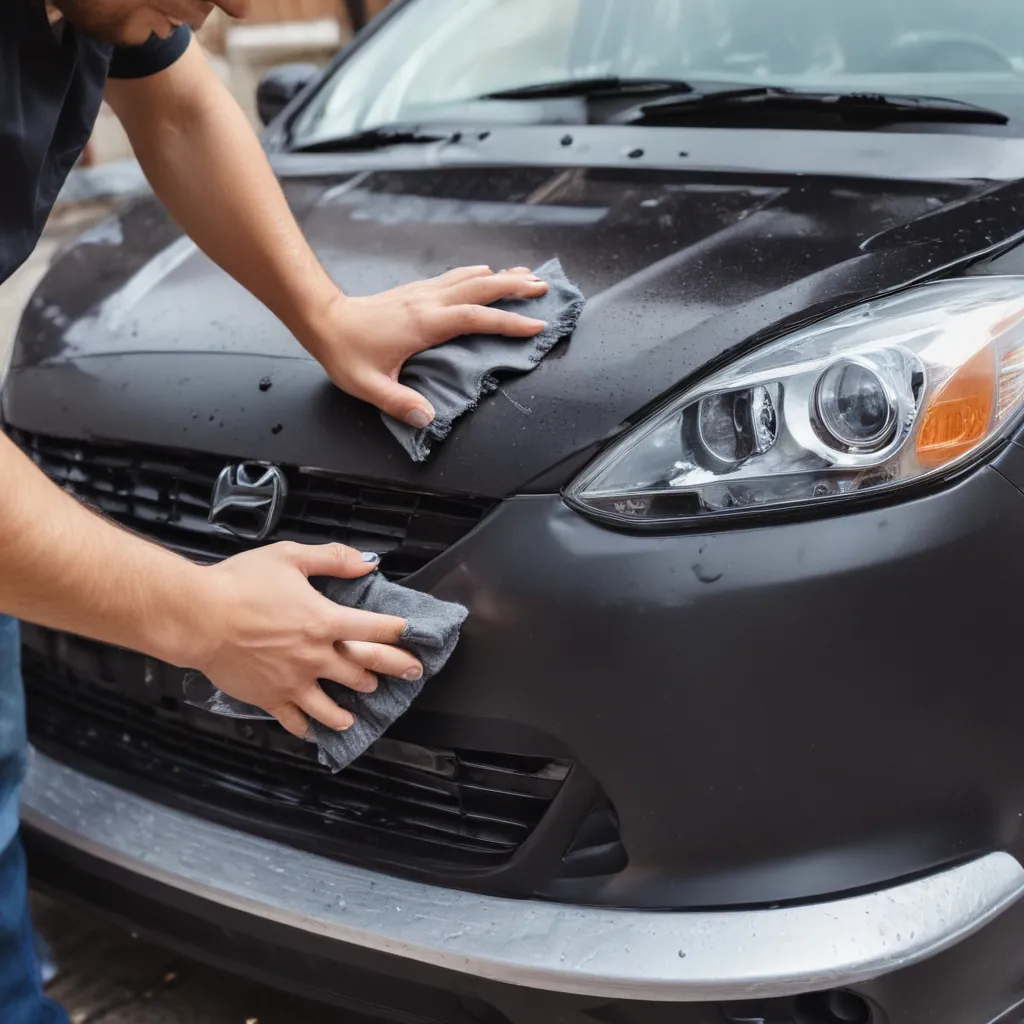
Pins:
<point x="248" y="500"/>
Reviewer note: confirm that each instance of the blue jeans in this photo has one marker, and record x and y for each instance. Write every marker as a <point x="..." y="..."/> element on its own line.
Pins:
<point x="22" y="1000"/>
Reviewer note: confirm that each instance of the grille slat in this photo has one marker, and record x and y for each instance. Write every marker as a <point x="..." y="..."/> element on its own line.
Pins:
<point x="467" y="809"/>
<point x="166" y="495"/>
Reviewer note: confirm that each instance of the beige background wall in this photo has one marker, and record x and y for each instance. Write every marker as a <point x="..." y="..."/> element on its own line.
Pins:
<point x="278" y="32"/>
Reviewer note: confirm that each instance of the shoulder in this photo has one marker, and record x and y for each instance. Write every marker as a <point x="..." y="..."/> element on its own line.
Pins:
<point x="151" y="57"/>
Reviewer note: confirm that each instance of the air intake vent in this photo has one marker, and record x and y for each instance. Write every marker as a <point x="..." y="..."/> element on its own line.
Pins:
<point x="404" y="802"/>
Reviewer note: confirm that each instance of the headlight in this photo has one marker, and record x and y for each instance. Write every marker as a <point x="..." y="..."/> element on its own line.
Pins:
<point x="894" y="391"/>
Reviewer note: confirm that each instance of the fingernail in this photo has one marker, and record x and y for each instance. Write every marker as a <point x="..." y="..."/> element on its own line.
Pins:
<point x="371" y="557"/>
<point x="413" y="674"/>
<point x="345" y="728"/>
<point x="418" y="419"/>
<point x="540" y="324"/>
<point x="535" y="279"/>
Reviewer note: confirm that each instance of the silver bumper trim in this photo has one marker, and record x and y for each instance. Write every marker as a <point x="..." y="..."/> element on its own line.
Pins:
<point x="626" y="954"/>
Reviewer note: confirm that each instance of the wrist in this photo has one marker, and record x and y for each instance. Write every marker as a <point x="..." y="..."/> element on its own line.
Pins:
<point x="183" y="631"/>
<point x="319" y="322"/>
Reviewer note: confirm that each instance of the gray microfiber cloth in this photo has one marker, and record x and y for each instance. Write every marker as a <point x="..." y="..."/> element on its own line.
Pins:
<point x="431" y="635"/>
<point x="454" y="377"/>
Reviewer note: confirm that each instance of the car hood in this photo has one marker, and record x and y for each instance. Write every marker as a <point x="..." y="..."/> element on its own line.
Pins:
<point x="134" y="335"/>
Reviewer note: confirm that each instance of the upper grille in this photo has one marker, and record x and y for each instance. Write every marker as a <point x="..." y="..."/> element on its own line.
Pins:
<point x="407" y="801"/>
<point x="165" y="494"/>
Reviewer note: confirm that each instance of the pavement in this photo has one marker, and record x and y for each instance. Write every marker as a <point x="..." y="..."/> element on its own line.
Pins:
<point x="105" y="975"/>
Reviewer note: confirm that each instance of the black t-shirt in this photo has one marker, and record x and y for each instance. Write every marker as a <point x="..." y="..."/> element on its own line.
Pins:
<point x="51" y="87"/>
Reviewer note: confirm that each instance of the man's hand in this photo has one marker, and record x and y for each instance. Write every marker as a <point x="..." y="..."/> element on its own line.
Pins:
<point x="206" y="165"/>
<point x="364" y="342"/>
<point x="265" y="636"/>
<point x="252" y="624"/>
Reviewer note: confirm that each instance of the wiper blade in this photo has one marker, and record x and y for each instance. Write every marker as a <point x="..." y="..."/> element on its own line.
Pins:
<point x="874" y="107"/>
<point x="589" y="88"/>
<point x="370" y="139"/>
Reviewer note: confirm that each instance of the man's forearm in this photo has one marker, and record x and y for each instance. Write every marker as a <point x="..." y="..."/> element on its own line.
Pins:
<point x="206" y="165"/>
<point x="63" y="566"/>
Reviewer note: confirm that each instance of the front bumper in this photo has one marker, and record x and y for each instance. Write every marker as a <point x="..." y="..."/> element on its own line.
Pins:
<point x="777" y="715"/>
<point x="611" y="954"/>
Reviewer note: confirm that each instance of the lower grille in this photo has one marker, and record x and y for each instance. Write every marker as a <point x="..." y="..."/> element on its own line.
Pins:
<point x="166" y="494"/>
<point x="403" y="802"/>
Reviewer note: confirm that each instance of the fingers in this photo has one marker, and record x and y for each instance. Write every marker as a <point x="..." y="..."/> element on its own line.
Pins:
<point x="483" y="291"/>
<point x="463" y="274"/>
<point x="370" y="627"/>
<point x="331" y="560"/>
<point x="400" y="402"/>
<point x="356" y="666"/>
<point x="460" y="274"/>
<point x="382" y="659"/>
<point x="318" y="705"/>
<point x="292" y="719"/>
<point x="485" y="320"/>
<point x="341" y="669"/>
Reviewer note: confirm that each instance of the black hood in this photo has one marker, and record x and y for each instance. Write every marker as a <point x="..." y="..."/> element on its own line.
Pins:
<point x="136" y="336"/>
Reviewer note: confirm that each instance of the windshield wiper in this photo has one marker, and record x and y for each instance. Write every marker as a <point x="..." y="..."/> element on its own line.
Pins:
<point x="370" y="139"/>
<point x="761" y="101"/>
<point x="591" y="88"/>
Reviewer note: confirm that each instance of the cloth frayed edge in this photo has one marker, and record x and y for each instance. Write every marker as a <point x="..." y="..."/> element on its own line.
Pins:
<point x="439" y="641"/>
<point x="539" y="346"/>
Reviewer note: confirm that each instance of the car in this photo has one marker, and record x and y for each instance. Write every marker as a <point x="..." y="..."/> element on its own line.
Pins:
<point x="733" y="730"/>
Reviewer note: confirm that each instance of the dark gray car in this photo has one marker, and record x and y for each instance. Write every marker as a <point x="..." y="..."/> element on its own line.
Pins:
<point x="732" y="734"/>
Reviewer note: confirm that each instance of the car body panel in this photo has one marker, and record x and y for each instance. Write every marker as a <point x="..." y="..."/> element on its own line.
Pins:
<point x="681" y="268"/>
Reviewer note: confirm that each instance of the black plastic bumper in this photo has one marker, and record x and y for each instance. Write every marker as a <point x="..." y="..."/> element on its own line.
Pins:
<point x="777" y="713"/>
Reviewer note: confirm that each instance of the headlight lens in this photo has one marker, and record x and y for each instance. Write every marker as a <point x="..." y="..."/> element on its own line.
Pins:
<point x="888" y="393"/>
<point x="856" y="407"/>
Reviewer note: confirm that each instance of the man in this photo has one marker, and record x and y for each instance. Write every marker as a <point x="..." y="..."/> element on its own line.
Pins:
<point x="253" y="624"/>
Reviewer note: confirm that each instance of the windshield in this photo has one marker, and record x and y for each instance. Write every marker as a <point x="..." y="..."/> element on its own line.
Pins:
<point x="436" y="58"/>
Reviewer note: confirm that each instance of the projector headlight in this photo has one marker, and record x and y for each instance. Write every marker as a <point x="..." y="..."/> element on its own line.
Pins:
<point x="883" y="395"/>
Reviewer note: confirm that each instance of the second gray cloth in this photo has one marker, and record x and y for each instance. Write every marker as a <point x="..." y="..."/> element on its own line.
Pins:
<point x="431" y="635"/>
<point x="454" y="377"/>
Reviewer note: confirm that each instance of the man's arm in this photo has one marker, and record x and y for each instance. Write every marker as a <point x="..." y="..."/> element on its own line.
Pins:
<point x="206" y="165"/>
<point x="252" y="624"/>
